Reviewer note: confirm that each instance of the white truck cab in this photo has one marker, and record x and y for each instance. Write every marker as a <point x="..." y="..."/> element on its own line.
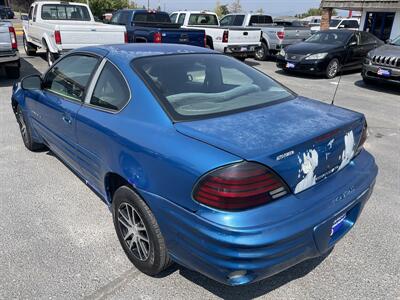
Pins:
<point x="236" y="41"/>
<point x="338" y="23"/>
<point x="59" y="26"/>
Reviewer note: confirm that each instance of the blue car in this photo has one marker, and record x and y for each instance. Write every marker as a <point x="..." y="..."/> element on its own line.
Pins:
<point x="203" y="160"/>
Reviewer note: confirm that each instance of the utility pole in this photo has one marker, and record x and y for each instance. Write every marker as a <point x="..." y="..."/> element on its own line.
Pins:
<point x="148" y="4"/>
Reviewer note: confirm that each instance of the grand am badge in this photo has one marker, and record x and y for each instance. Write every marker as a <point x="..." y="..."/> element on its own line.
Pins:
<point x="285" y="155"/>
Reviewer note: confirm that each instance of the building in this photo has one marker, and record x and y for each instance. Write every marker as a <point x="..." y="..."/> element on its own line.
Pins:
<point x="382" y="18"/>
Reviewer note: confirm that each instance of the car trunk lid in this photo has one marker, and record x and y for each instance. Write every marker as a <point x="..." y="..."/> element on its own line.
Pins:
<point x="5" y="39"/>
<point x="303" y="140"/>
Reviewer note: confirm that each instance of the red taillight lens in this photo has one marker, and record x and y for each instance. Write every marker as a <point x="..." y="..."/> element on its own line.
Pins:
<point x="157" y="37"/>
<point x="13" y="38"/>
<point x="57" y="37"/>
<point x="126" y="37"/>
<point x="280" y="35"/>
<point x="363" y="138"/>
<point x="225" y="37"/>
<point x="239" y="186"/>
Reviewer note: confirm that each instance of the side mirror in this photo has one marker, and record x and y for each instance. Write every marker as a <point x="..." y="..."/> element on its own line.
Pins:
<point x="32" y="82"/>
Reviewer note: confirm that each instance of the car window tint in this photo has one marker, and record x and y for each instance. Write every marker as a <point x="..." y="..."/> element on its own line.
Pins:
<point x="35" y="13"/>
<point x="238" y="20"/>
<point x="115" y="17"/>
<point x="173" y="17"/>
<point x="181" y="19"/>
<point x="70" y="76"/>
<point x="367" y="38"/>
<point x="111" y="91"/>
<point x="124" y="18"/>
<point x="30" y="14"/>
<point x="227" y="21"/>
<point x="203" y="19"/>
<point x="233" y="76"/>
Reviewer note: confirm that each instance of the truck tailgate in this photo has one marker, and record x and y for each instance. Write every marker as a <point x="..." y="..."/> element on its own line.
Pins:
<point x="75" y="36"/>
<point x="183" y="36"/>
<point x="5" y="40"/>
<point x="244" y="36"/>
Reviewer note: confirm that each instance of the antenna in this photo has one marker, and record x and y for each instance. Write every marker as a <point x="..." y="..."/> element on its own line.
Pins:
<point x="337" y="87"/>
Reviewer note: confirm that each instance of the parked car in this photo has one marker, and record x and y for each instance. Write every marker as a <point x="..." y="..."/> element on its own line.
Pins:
<point x="6" y="13"/>
<point x="59" y="27"/>
<point x="202" y="159"/>
<point x="338" y="23"/>
<point x="235" y="41"/>
<point x="383" y="63"/>
<point x="275" y="35"/>
<point x="9" y="54"/>
<point x="147" y="26"/>
<point x="328" y="52"/>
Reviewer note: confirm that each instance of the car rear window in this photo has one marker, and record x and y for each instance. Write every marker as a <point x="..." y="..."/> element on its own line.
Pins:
<point x="65" y="12"/>
<point x="156" y="17"/>
<point x="196" y="86"/>
<point x="203" y="19"/>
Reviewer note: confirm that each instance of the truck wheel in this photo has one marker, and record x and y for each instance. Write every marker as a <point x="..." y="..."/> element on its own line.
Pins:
<point x="50" y="57"/>
<point x="138" y="232"/>
<point x="262" y="53"/>
<point x="30" y="49"/>
<point x="12" y="72"/>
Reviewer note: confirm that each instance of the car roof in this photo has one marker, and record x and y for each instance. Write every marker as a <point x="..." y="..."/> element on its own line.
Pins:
<point x="129" y="52"/>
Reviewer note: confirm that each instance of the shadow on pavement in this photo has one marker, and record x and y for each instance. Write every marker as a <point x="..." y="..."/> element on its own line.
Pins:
<point x="27" y="68"/>
<point x="250" y="291"/>
<point x="384" y="87"/>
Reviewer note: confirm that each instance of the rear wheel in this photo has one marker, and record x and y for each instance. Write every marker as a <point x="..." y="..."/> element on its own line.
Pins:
<point x="50" y="58"/>
<point x="138" y="232"/>
<point x="332" y="69"/>
<point x="26" y="132"/>
<point x="262" y="53"/>
<point x="30" y="49"/>
<point x="13" y="72"/>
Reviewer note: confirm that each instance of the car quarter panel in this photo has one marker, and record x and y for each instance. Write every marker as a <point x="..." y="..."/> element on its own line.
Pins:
<point x="125" y="143"/>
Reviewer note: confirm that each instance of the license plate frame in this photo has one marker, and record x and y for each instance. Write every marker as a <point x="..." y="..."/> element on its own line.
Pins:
<point x="384" y="72"/>
<point x="290" y="65"/>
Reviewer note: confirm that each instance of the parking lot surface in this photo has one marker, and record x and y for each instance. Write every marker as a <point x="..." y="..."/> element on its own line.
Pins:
<point x="57" y="238"/>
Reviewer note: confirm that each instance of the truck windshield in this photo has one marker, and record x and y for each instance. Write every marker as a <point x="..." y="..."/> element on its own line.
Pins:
<point x="153" y="17"/>
<point x="203" y="19"/>
<point x="65" y="12"/>
<point x="196" y="86"/>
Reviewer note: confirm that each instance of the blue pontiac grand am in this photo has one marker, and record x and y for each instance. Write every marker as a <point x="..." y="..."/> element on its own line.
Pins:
<point x="202" y="159"/>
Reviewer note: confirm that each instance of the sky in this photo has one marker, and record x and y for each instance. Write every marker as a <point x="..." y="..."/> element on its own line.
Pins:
<point x="272" y="7"/>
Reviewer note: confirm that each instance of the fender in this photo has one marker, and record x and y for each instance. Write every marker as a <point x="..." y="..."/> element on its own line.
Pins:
<point x="266" y="39"/>
<point x="48" y="42"/>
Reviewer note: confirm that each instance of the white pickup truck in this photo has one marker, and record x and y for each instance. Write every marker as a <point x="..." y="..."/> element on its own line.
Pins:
<point x="59" y="26"/>
<point x="9" y="55"/>
<point x="236" y="41"/>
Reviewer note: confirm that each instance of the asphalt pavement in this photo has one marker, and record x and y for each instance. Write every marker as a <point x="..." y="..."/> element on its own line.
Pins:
<point x="57" y="239"/>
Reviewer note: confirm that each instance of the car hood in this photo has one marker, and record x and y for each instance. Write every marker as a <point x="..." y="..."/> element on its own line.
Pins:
<point x="387" y="50"/>
<point x="303" y="140"/>
<point x="304" y="48"/>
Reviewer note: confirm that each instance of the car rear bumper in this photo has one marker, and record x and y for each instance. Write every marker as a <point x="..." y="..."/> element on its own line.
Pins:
<point x="241" y="50"/>
<point x="312" y="66"/>
<point x="9" y="58"/>
<point x="237" y="248"/>
<point x="371" y="72"/>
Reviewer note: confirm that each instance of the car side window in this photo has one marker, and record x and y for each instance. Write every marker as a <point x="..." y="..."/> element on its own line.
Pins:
<point x="181" y="19"/>
<point x="30" y="14"/>
<point x="173" y="17"/>
<point x="227" y="21"/>
<point x="70" y="76"/>
<point x="114" y="18"/>
<point x="367" y="39"/>
<point x="111" y="91"/>
<point x="35" y="13"/>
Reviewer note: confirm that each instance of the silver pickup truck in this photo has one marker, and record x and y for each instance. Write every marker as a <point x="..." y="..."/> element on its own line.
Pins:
<point x="275" y="35"/>
<point x="9" y="55"/>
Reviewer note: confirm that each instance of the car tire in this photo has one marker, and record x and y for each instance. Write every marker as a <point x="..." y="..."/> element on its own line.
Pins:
<point x="26" y="132"/>
<point x="30" y="49"/>
<point x="367" y="81"/>
<point x="50" y="58"/>
<point x="332" y="69"/>
<point x="262" y="53"/>
<point x="12" y="72"/>
<point x="138" y="232"/>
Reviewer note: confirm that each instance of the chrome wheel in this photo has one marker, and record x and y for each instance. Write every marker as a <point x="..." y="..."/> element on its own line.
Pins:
<point x="25" y="45"/>
<point x="260" y="53"/>
<point x="134" y="231"/>
<point x="22" y="126"/>
<point x="333" y="68"/>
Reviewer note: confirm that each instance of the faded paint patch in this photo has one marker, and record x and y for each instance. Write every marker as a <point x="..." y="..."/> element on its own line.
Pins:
<point x="348" y="151"/>
<point x="308" y="165"/>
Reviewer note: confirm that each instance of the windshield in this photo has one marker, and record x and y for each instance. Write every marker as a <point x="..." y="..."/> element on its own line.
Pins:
<point x="203" y="19"/>
<point x="334" y="23"/>
<point x="193" y="86"/>
<point x="396" y="41"/>
<point x="326" y="37"/>
<point x="65" y="12"/>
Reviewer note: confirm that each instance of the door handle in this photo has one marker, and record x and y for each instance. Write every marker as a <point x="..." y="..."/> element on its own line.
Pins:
<point x="67" y="120"/>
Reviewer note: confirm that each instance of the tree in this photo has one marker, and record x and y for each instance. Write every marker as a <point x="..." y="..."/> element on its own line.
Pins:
<point x="221" y="9"/>
<point x="236" y="7"/>
<point x="99" y="7"/>
<point x="313" y="12"/>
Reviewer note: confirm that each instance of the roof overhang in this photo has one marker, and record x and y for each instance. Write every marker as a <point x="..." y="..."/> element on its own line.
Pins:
<point x="360" y="4"/>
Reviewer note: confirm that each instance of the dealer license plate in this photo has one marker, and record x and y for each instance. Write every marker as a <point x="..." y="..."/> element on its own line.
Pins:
<point x="384" y="72"/>
<point x="290" y="65"/>
<point x="337" y="224"/>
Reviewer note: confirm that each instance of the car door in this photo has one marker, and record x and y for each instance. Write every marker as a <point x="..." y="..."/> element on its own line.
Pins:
<point x="98" y="121"/>
<point x="64" y="87"/>
<point x="354" y="52"/>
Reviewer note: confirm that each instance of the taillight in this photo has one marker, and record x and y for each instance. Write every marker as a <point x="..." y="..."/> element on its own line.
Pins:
<point x="239" y="186"/>
<point x="157" y="37"/>
<point x="363" y="138"/>
<point x="280" y="35"/>
<point x="225" y="37"/>
<point x="126" y="37"/>
<point x="57" y="37"/>
<point x="13" y="38"/>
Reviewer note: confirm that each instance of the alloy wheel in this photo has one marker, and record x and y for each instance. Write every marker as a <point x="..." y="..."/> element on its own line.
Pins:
<point x="22" y="126"/>
<point x="260" y="53"/>
<point x="333" y="69"/>
<point x="134" y="231"/>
